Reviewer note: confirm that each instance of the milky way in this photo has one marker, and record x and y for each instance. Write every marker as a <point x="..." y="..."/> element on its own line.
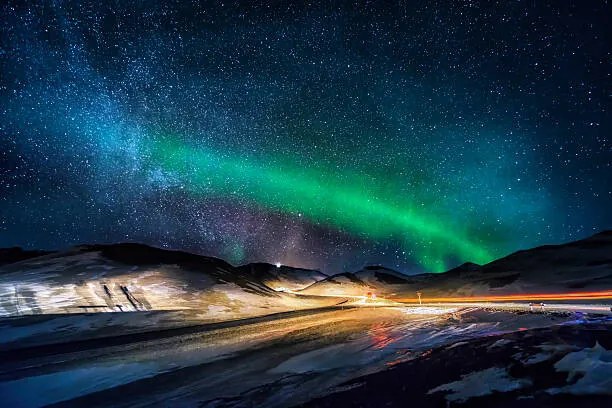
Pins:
<point x="417" y="135"/>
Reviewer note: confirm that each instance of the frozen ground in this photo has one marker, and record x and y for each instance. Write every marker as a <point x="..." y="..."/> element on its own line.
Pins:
<point x="278" y="362"/>
<point x="557" y="366"/>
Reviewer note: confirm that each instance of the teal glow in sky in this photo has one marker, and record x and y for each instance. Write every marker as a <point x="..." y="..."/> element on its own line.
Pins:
<point x="407" y="134"/>
<point x="318" y="198"/>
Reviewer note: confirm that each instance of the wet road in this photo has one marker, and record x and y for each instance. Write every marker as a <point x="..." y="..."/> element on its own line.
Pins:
<point x="280" y="362"/>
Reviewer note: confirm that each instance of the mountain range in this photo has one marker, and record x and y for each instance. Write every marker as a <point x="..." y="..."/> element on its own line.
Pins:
<point x="136" y="277"/>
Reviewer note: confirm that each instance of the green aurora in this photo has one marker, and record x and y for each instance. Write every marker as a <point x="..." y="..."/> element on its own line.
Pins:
<point x="318" y="196"/>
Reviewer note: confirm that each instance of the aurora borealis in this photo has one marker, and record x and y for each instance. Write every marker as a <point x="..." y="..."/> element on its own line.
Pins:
<point x="317" y="199"/>
<point x="417" y="135"/>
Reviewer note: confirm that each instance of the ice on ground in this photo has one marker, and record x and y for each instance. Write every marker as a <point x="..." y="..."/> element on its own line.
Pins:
<point x="594" y="365"/>
<point x="499" y="343"/>
<point x="429" y="310"/>
<point x="64" y="385"/>
<point x="326" y="358"/>
<point x="481" y="383"/>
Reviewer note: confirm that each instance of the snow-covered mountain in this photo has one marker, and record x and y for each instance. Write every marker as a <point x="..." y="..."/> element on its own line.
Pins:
<point x="122" y="277"/>
<point x="99" y="278"/>
<point x="282" y="277"/>
<point x="374" y="279"/>
<point x="584" y="265"/>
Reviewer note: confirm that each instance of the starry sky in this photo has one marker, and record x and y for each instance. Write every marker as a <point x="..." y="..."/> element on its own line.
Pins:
<point x="331" y="135"/>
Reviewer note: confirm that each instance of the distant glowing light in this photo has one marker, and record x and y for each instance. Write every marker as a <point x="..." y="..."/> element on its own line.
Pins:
<point x="278" y="264"/>
<point x="518" y="297"/>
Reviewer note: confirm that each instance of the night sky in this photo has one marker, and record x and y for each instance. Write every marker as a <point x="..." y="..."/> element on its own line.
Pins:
<point x="417" y="135"/>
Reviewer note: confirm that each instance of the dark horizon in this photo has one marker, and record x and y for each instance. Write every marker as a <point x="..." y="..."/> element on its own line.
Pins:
<point x="329" y="273"/>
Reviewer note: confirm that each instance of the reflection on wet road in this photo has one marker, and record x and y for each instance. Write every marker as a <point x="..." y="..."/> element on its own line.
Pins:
<point x="274" y="363"/>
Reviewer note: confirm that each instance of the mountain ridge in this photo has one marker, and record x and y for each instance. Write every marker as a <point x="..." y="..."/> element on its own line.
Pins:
<point x="132" y="276"/>
<point x="16" y="254"/>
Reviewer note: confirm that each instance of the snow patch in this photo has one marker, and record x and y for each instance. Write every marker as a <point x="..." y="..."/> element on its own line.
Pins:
<point x="216" y="309"/>
<point x="593" y="366"/>
<point x="480" y="383"/>
<point x="326" y="358"/>
<point x="429" y="310"/>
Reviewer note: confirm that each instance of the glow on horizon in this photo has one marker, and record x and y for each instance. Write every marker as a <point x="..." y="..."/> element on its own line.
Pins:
<point x="599" y="295"/>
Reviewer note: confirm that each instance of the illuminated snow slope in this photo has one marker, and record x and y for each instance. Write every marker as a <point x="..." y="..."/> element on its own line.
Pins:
<point x="128" y="277"/>
<point x="281" y="276"/>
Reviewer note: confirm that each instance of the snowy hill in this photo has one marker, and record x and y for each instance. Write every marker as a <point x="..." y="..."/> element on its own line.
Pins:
<point x="376" y="279"/>
<point x="582" y="265"/>
<point x="282" y="277"/>
<point x="128" y="277"/>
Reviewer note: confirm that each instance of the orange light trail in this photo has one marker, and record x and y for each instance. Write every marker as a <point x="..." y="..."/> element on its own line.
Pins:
<point x="505" y="298"/>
